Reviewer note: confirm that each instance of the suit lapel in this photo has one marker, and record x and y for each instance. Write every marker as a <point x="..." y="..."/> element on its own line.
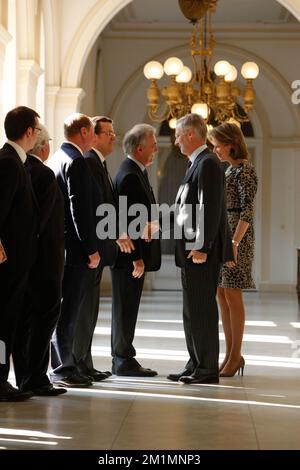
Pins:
<point x="188" y="176"/>
<point x="147" y="186"/>
<point x="26" y="172"/>
<point x="105" y="176"/>
<point x="142" y="178"/>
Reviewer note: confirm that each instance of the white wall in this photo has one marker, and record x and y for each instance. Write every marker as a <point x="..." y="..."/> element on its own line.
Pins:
<point x="275" y="121"/>
<point x="72" y="30"/>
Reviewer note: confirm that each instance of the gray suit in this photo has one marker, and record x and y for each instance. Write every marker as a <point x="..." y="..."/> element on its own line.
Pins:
<point x="202" y="187"/>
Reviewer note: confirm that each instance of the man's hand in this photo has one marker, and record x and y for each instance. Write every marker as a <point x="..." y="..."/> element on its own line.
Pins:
<point x="125" y="243"/>
<point x="150" y="229"/>
<point x="139" y="268"/>
<point x="94" y="260"/>
<point x="197" y="256"/>
<point x="3" y="256"/>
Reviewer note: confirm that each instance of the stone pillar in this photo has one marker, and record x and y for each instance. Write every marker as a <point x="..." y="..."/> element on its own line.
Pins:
<point x="51" y="93"/>
<point x="5" y="38"/>
<point x="28" y="73"/>
<point x="67" y="101"/>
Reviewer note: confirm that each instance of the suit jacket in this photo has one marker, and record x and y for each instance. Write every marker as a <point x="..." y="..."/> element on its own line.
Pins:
<point x="130" y="181"/>
<point x="50" y="257"/>
<point x="103" y="193"/>
<point x="18" y="212"/>
<point x="75" y="181"/>
<point x="203" y="188"/>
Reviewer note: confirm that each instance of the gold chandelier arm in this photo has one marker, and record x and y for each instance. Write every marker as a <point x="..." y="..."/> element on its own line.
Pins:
<point x="155" y="117"/>
<point x="210" y="46"/>
<point x="238" y="116"/>
<point x="193" y="45"/>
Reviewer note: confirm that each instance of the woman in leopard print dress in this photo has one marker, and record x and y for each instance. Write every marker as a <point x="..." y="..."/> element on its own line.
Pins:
<point x="241" y="186"/>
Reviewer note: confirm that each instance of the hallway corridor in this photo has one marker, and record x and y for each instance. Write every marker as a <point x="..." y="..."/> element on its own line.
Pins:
<point x="258" y="411"/>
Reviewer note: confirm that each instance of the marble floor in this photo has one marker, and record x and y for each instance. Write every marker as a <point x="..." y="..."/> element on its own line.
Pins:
<point x="258" y="411"/>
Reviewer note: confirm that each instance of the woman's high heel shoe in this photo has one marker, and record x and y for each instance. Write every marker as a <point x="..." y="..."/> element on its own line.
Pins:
<point x="238" y="368"/>
<point x="223" y="363"/>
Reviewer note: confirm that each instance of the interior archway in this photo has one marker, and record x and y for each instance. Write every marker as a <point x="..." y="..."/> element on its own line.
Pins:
<point x="93" y="25"/>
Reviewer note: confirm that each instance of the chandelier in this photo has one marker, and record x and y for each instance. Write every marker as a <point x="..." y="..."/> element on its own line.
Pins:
<point x="213" y="95"/>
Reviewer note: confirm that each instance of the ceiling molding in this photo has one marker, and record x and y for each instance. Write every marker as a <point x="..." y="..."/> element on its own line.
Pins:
<point x="285" y="142"/>
<point x="180" y="30"/>
<point x="286" y="17"/>
<point x="127" y="14"/>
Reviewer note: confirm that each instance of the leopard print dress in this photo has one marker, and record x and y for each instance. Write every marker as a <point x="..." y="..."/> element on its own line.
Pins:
<point x="241" y="187"/>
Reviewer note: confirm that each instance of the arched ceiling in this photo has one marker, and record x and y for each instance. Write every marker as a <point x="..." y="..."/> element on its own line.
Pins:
<point x="228" y="11"/>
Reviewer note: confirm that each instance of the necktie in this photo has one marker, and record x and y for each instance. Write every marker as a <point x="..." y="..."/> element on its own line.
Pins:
<point x="145" y="172"/>
<point x="188" y="166"/>
<point x="107" y="174"/>
<point x="105" y="166"/>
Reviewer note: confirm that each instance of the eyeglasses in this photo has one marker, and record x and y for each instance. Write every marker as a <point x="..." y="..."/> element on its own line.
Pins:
<point x="37" y="129"/>
<point x="108" y="133"/>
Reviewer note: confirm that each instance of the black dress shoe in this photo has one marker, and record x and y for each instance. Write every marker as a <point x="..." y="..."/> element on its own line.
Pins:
<point x="97" y="376"/>
<point x="138" y="372"/>
<point x="176" y="377"/>
<point x="72" y="381"/>
<point x="10" y="393"/>
<point x="48" y="391"/>
<point x="198" y="379"/>
<point x="93" y="374"/>
<point x="107" y="372"/>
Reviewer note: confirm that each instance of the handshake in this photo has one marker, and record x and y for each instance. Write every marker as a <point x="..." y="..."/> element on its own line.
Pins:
<point x="150" y="229"/>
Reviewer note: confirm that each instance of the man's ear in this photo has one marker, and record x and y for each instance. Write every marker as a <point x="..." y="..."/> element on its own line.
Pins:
<point x="83" y="131"/>
<point x="29" y="131"/>
<point x="190" y="133"/>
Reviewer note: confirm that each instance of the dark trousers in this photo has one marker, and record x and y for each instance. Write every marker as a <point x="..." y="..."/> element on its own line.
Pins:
<point x="13" y="288"/>
<point x="200" y="314"/>
<point x="126" y="291"/>
<point x="37" y="323"/>
<point x="75" y="287"/>
<point x="87" y="323"/>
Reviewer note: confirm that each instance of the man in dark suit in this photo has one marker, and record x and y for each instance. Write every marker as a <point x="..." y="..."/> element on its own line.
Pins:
<point x="104" y="193"/>
<point x="18" y="232"/>
<point x="43" y="294"/>
<point x="82" y="256"/>
<point x="200" y="249"/>
<point x="128" y="274"/>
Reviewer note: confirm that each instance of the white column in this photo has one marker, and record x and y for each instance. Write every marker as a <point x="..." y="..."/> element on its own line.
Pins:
<point x="5" y="37"/>
<point x="51" y="93"/>
<point x="67" y="101"/>
<point x="28" y="73"/>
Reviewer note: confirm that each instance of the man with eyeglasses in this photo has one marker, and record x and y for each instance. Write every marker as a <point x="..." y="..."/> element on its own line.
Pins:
<point x="82" y="253"/>
<point x="104" y="193"/>
<point x="18" y="233"/>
